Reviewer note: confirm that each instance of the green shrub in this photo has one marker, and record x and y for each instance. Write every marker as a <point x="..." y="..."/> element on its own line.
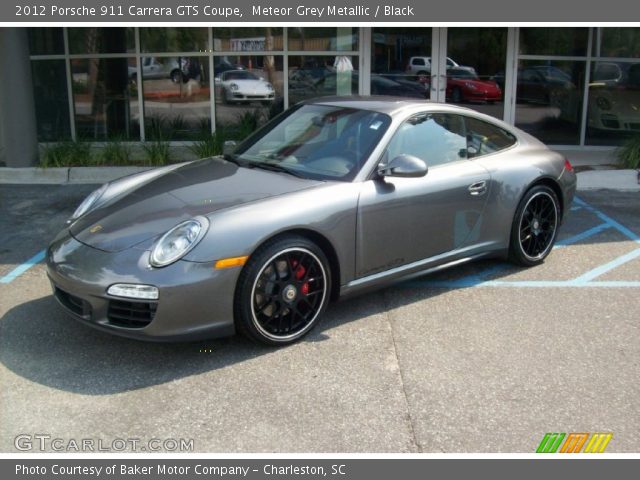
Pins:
<point x="157" y="152"/>
<point x="629" y="153"/>
<point x="67" y="154"/>
<point x="209" y="145"/>
<point x="247" y="123"/>
<point x="115" y="152"/>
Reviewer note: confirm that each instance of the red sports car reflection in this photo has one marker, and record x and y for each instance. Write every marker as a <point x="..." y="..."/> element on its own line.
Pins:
<point x="465" y="86"/>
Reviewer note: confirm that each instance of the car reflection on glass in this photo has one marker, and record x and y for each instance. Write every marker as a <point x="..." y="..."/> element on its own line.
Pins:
<point x="466" y="86"/>
<point x="614" y="97"/>
<point x="242" y="86"/>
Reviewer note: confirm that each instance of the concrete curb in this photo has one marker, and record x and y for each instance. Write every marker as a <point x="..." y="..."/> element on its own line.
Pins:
<point x="621" y="180"/>
<point x="73" y="175"/>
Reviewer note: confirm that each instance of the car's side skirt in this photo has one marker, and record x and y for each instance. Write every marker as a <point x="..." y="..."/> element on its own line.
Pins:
<point x="422" y="267"/>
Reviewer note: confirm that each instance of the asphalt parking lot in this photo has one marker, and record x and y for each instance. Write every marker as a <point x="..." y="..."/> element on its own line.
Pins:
<point x="484" y="358"/>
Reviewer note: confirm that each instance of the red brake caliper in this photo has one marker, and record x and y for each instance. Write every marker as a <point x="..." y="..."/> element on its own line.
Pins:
<point x="299" y="273"/>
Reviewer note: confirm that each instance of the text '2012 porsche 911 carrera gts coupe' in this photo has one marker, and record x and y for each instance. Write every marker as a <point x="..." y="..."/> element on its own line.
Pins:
<point x="333" y="197"/>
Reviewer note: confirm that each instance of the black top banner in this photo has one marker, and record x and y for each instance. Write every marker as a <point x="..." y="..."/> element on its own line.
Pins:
<point x="314" y="11"/>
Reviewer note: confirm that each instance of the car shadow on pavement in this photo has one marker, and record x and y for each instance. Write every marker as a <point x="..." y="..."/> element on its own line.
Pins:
<point x="41" y="343"/>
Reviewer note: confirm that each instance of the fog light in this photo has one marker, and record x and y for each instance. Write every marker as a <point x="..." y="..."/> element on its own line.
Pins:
<point x="144" y="292"/>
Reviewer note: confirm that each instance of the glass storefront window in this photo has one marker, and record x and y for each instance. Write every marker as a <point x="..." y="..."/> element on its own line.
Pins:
<point x="248" y="91"/>
<point x="554" y="41"/>
<point x="105" y="99"/>
<point x="46" y="41"/>
<point x="51" y="99"/>
<point x="613" y="111"/>
<point x="549" y="100"/>
<point x="398" y="61"/>
<point x="183" y="39"/>
<point x="176" y="97"/>
<point x="476" y="59"/>
<point x="321" y="76"/>
<point x="250" y="39"/>
<point x="101" y="40"/>
<point x="616" y="42"/>
<point x="331" y="39"/>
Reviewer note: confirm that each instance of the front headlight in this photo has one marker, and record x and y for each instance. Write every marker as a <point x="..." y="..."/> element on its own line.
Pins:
<point x="89" y="202"/>
<point x="269" y="87"/>
<point x="233" y="87"/>
<point x="174" y="244"/>
<point x="470" y="86"/>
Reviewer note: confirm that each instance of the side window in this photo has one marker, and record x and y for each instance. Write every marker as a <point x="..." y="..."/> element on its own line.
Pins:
<point x="418" y="61"/>
<point x="484" y="138"/>
<point x="436" y="138"/>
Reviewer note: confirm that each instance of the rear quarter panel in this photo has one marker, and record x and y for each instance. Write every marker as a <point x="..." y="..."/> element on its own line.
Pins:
<point x="513" y="172"/>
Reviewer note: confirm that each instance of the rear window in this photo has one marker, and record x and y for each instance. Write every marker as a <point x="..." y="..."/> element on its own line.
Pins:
<point x="484" y="138"/>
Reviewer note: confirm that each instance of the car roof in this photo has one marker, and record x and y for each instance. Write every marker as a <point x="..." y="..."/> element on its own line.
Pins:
<point x="384" y="104"/>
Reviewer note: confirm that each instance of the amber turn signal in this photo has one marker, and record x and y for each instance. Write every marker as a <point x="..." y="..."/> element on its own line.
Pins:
<point x="231" y="262"/>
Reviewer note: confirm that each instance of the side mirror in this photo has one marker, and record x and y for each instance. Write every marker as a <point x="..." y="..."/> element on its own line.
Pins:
<point x="404" y="166"/>
<point x="229" y="147"/>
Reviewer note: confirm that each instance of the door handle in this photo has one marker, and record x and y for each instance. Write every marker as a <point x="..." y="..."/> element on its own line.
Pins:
<point x="478" y="188"/>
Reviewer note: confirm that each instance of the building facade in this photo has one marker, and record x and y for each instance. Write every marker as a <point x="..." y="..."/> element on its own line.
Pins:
<point x="575" y="88"/>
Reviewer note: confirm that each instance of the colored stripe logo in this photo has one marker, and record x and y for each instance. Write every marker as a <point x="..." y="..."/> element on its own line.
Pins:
<point x="573" y="442"/>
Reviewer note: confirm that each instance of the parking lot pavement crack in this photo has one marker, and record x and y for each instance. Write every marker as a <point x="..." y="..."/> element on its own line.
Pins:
<point x="415" y="445"/>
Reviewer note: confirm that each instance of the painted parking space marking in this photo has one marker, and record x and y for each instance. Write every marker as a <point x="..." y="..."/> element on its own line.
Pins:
<point x="585" y="280"/>
<point x="20" y="269"/>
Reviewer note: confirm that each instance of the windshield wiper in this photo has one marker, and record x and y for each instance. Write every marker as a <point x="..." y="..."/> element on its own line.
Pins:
<point x="274" y="167"/>
<point x="232" y="158"/>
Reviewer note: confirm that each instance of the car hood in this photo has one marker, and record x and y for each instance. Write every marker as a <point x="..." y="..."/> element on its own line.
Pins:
<point x="484" y="84"/>
<point x="199" y="188"/>
<point x="248" y="84"/>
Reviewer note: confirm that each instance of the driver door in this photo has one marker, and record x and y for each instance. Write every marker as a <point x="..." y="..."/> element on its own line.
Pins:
<point x="403" y="220"/>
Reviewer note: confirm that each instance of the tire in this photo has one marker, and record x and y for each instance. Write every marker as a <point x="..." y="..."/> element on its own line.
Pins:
<point x="282" y="291"/>
<point x="535" y="226"/>
<point x="456" y="95"/>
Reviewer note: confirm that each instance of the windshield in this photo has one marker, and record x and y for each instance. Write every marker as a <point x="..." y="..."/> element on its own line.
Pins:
<point x="316" y="141"/>
<point x="240" y="75"/>
<point x="460" y="73"/>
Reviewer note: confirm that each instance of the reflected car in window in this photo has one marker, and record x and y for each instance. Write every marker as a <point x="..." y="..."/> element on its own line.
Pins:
<point x="422" y="65"/>
<point x="332" y="198"/>
<point x="158" y="68"/>
<point x="614" y="97"/>
<point x="242" y="86"/>
<point x="465" y="86"/>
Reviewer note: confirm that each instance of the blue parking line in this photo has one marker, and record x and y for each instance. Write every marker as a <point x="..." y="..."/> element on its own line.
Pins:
<point x="602" y="269"/>
<point x="20" y="269"/>
<point x="581" y="236"/>
<point x="607" y="219"/>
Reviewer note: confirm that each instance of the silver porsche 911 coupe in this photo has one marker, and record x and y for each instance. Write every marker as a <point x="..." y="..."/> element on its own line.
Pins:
<point x="333" y="197"/>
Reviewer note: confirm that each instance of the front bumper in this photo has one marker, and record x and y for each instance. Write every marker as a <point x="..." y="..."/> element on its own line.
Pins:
<point x="252" y="96"/>
<point x="195" y="300"/>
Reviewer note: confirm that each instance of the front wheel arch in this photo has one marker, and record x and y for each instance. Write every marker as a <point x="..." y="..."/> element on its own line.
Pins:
<point x="323" y="243"/>
<point x="246" y="321"/>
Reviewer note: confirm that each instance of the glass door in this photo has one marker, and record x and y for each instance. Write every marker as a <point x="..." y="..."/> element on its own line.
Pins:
<point x="472" y="68"/>
<point x="401" y="61"/>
